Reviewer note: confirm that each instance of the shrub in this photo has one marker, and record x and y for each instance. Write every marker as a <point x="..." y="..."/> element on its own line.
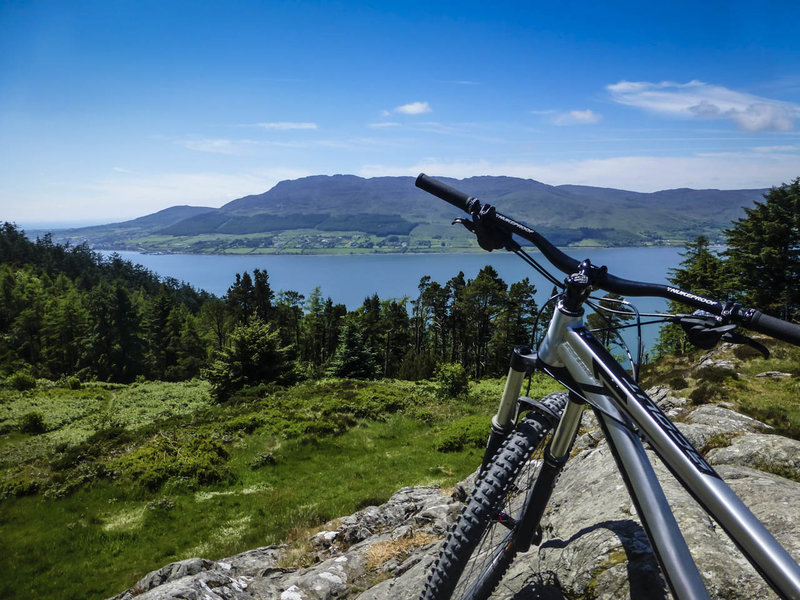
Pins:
<point x="33" y="423"/>
<point x="715" y="374"/>
<point x="253" y="355"/>
<point x="20" y="485"/>
<point x="246" y="423"/>
<point x="71" y="382"/>
<point x="467" y="432"/>
<point x="21" y="381"/>
<point x="704" y="393"/>
<point x="451" y="381"/>
<point x="199" y="459"/>
<point x="263" y="460"/>
<point x="677" y="382"/>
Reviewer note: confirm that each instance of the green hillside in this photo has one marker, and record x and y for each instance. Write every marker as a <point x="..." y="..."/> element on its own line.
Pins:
<point x="345" y="213"/>
<point x="118" y="480"/>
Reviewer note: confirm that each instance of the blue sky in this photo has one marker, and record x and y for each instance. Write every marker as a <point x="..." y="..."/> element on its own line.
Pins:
<point x="111" y="110"/>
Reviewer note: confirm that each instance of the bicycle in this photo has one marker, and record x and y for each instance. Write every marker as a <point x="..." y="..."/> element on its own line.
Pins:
<point x="525" y="454"/>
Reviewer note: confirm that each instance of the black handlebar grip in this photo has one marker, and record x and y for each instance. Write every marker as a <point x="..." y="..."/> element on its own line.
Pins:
<point x="777" y="328"/>
<point x="445" y="192"/>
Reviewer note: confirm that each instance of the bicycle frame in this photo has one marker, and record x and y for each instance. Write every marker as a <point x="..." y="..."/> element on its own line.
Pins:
<point x="573" y="356"/>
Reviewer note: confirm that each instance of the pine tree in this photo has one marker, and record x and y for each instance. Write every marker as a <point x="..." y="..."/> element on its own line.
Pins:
<point x="703" y="272"/>
<point x="353" y="359"/>
<point x="252" y="355"/>
<point x="240" y="298"/>
<point x="764" y="252"/>
<point x="484" y="296"/>
<point x="394" y="326"/>
<point x="262" y="295"/>
<point x="513" y="324"/>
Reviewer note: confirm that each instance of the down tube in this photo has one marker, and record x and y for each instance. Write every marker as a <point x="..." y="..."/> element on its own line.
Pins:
<point x="689" y="467"/>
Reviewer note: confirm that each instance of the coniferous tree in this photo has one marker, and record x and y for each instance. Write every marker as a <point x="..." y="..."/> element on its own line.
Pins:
<point x="353" y="359"/>
<point x="314" y="329"/>
<point x="513" y="323"/>
<point x="240" y="298"/>
<point x="701" y="271"/>
<point x="457" y="318"/>
<point x="262" y="295"/>
<point x="190" y="351"/>
<point x="484" y="296"/>
<point x="289" y="316"/>
<point x="394" y="326"/>
<point x="252" y="355"/>
<point x="65" y="332"/>
<point x="764" y="252"/>
<point x="215" y="321"/>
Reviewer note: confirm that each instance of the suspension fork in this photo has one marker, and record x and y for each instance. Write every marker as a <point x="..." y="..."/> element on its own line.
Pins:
<point x="523" y="360"/>
<point x="555" y="457"/>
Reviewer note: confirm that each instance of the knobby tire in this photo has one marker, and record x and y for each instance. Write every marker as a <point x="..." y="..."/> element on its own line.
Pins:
<point x="478" y="550"/>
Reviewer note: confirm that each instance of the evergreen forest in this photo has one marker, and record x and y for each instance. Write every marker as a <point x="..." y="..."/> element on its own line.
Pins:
<point x="66" y="312"/>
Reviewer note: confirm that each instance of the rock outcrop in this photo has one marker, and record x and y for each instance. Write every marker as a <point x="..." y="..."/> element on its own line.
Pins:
<point x="594" y="546"/>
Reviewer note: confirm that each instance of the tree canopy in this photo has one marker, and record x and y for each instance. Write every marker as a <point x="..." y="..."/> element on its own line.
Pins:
<point x="759" y="266"/>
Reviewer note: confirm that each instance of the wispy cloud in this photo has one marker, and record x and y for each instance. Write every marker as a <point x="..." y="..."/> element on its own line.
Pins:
<point x="216" y="146"/>
<point x="641" y="173"/>
<point x="571" y="117"/>
<point x="286" y="125"/>
<point x="412" y="108"/>
<point x="700" y="100"/>
<point x="384" y="125"/>
<point x="776" y="148"/>
<point x="577" y="117"/>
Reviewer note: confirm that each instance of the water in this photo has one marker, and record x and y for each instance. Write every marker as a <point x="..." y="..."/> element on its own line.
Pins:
<point x="349" y="278"/>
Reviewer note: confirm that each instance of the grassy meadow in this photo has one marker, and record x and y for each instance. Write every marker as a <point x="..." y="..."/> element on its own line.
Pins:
<point x="113" y="481"/>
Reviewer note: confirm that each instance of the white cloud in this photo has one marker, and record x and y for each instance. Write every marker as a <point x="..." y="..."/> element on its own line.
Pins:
<point x="577" y="117"/>
<point x="216" y="146"/>
<point x="414" y="108"/>
<point x="776" y="148"/>
<point x="286" y="125"/>
<point x="384" y="125"/>
<point x="700" y="100"/>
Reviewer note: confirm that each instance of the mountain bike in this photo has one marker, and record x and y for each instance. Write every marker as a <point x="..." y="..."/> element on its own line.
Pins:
<point x="530" y="440"/>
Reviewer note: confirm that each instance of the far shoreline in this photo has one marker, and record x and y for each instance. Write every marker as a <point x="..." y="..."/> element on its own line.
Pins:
<point x="366" y="252"/>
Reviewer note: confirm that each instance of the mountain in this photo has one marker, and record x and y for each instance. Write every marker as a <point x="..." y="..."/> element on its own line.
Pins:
<point x="385" y="214"/>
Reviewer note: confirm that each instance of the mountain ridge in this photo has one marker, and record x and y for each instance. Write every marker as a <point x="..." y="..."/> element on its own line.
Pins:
<point x="351" y="213"/>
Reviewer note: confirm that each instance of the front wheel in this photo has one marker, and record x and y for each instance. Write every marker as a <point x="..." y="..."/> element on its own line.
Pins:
<point x="479" y="550"/>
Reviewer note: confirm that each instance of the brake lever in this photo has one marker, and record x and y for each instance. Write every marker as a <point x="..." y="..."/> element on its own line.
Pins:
<point x="490" y="237"/>
<point x="706" y="331"/>
<point x="469" y="225"/>
<point x="738" y="338"/>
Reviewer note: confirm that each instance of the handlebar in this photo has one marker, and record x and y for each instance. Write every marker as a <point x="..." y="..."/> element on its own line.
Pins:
<point x="782" y="330"/>
<point x="444" y="191"/>
<point x="749" y="318"/>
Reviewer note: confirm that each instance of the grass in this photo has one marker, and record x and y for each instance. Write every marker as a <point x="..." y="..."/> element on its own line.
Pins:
<point x="97" y="519"/>
<point x="83" y="518"/>
<point x="775" y="401"/>
<point x="100" y="540"/>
